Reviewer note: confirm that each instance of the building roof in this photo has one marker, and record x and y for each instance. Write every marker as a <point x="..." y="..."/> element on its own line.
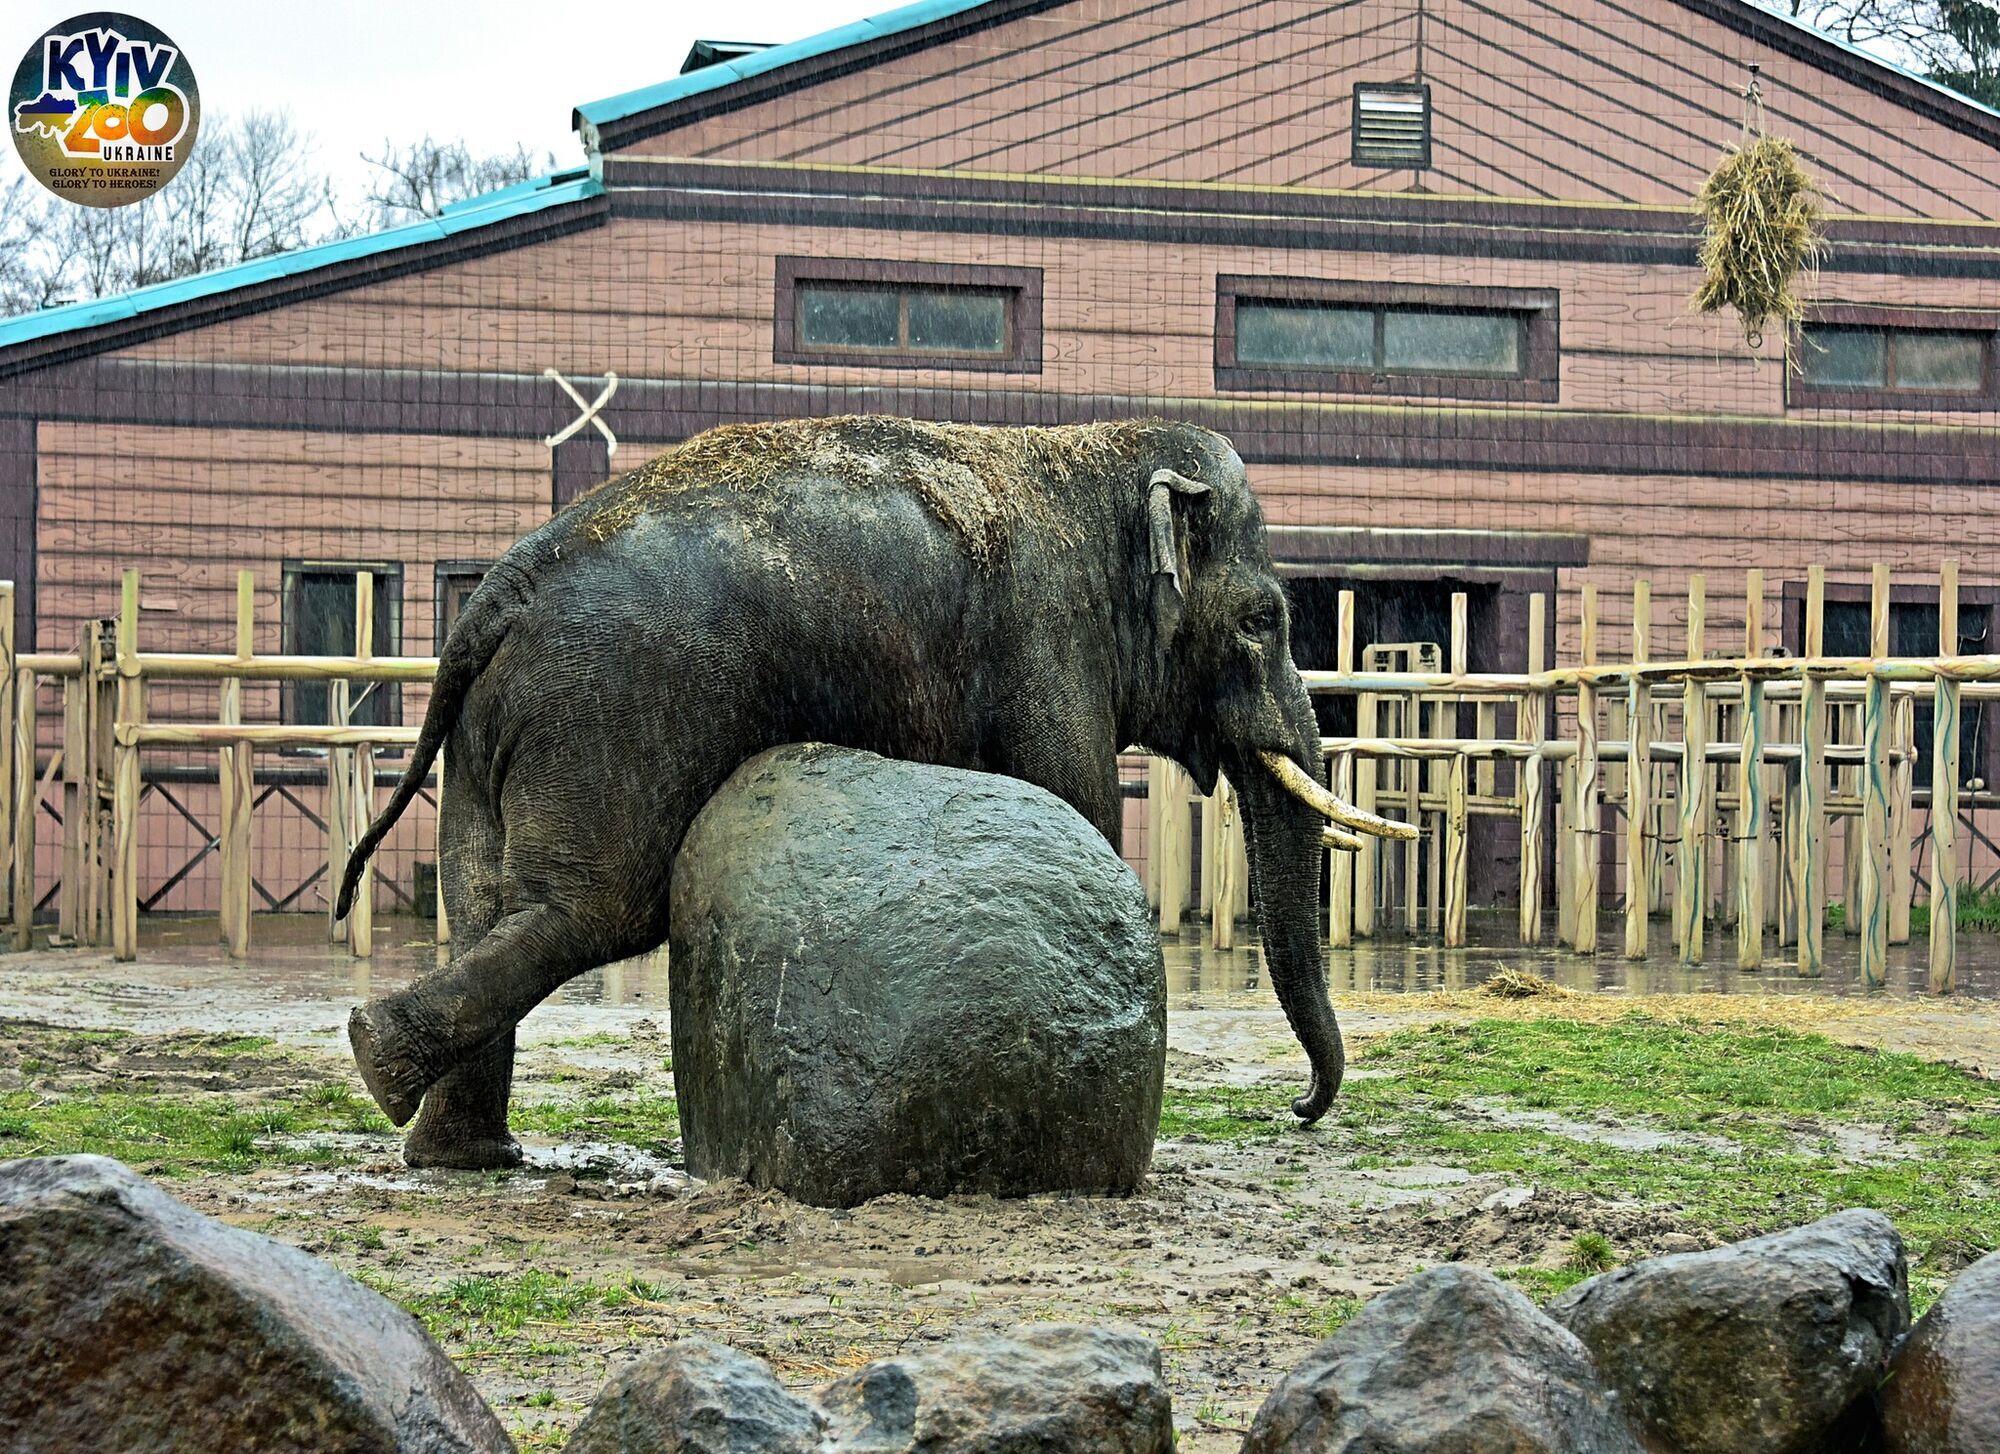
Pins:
<point x="625" y="116"/>
<point x="714" y="52"/>
<point x="471" y="215"/>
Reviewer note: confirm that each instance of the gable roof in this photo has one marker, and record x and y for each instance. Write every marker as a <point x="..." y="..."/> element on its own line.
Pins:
<point x="308" y="268"/>
<point x="633" y="115"/>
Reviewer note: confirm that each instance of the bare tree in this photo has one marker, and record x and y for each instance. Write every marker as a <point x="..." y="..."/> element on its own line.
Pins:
<point x="1954" y="42"/>
<point x="422" y="179"/>
<point x="271" y="195"/>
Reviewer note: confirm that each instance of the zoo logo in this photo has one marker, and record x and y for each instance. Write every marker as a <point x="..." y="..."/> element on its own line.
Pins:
<point x="104" y="109"/>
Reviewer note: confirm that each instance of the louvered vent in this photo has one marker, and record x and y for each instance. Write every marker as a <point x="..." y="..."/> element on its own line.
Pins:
<point x="1392" y="126"/>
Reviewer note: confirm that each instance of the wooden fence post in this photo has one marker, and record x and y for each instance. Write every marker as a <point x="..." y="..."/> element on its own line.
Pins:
<point x="1367" y="875"/>
<point x="1452" y="885"/>
<point x="1902" y="788"/>
<point x="1750" y="806"/>
<point x="1944" y="797"/>
<point x="437" y="855"/>
<point x="1691" y="880"/>
<point x="27" y="797"/>
<point x="361" y="780"/>
<point x="125" y="802"/>
<point x="1218" y="865"/>
<point x="10" y="781"/>
<point x="1529" y="727"/>
<point x="70" y="898"/>
<point x="1875" y="794"/>
<point x="1811" y="845"/>
<point x="1167" y="820"/>
<point x="1340" y="872"/>
<point x="1638" y="776"/>
<point x="1584" y="846"/>
<point x="238" y="782"/>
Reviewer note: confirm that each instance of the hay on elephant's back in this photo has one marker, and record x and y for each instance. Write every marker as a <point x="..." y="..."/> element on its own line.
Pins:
<point x="982" y="483"/>
<point x="1764" y="217"/>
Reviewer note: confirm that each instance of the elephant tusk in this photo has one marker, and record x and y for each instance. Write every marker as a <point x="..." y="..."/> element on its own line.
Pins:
<point x="1295" y="781"/>
<point x="1343" y="841"/>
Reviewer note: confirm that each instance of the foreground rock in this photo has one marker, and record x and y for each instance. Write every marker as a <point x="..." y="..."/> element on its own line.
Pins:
<point x="697" y="1397"/>
<point x="1942" y="1395"/>
<point x="897" y="978"/>
<point x="1452" y="1362"/>
<point x="1761" y="1345"/>
<point x="1079" y="1390"/>
<point x="133" y="1322"/>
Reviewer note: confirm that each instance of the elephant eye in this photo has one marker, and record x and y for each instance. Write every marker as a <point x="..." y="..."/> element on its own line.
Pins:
<point x="1261" y="622"/>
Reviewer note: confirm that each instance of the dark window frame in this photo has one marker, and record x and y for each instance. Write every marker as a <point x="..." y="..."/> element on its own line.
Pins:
<point x="1022" y="286"/>
<point x="1802" y="393"/>
<point x="1540" y="310"/>
<point x="1974" y="602"/>
<point x="1418" y="89"/>
<point x="389" y="581"/>
<point x="445" y="572"/>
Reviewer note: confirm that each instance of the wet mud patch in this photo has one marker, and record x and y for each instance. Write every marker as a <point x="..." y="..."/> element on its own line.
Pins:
<point x="1546" y="1146"/>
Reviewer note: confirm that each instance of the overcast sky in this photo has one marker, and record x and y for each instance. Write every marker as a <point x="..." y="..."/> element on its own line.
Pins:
<point x="495" y="73"/>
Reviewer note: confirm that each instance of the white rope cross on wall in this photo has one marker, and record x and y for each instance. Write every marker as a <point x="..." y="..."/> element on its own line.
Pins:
<point x="590" y="411"/>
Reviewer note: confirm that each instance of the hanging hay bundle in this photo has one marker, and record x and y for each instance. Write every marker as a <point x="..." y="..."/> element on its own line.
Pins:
<point x="1764" y="217"/>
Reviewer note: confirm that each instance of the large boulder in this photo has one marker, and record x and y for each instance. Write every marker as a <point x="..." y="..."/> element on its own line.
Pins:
<point x="1765" y="1344"/>
<point x="1452" y="1362"/>
<point x="133" y="1322"/>
<point x="1942" y="1395"/>
<point x="889" y="977"/>
<point x="1079" y="1390"/>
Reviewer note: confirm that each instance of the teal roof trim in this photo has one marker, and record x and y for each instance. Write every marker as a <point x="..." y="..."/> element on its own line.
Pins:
<point x="726" y="73"/>
<point x="460" y="217"/>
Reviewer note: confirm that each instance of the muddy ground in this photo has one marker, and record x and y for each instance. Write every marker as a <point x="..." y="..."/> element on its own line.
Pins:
<point x="1251" y="1240"/>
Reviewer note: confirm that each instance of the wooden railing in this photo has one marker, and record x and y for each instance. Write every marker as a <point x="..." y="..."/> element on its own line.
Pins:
<point x="1746" y="785"/>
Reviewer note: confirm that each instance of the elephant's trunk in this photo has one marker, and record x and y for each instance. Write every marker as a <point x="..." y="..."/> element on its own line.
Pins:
<point x="1284" y="848"/>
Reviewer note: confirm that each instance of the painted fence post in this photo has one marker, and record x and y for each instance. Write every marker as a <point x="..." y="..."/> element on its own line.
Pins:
<point x="238" y="783"/>
<point x="1638" y="776"/>
<point x="1944" y="797"/>
<point x="1875" y="793"/>
<point x="1691" y="881"/>
<point x="1584" y="821"/>
<point x="125" y="799"/>
<point x="1811" y="838"/>
<point x="1750" y="805"/>
<point x="1529" y="727"/>
<point x="1453" y="888"/>
<point x="1340" y="873"/>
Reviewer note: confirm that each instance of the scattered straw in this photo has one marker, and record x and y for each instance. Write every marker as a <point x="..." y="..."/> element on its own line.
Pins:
<point x="1522" y="984"/>
<point x="1764" y="217"/>
<point x="982" y="483"/>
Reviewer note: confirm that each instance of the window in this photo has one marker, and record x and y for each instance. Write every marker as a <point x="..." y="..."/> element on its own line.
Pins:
<point x="908" y="315"/>
<point x="319" y="621"/>
<point x="1883" y="358"/>
<point x="456" y="581"/>
<point x="1330" y="337"/>
<point x="1392" y="126"/>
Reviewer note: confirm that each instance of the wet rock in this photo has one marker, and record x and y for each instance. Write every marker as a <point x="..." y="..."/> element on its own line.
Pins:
<point x="1081" y="1390"/>
<point x="134" y="1322"/>
<point x="1942" y="1395"/>
<point x="890" y="977"/>
<point x="697" y="1397"/>
<point x="1760" y="1345"/>
<point x="1452" y="1362"/>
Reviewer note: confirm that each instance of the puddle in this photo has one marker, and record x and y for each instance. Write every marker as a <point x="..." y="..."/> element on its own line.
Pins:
<point x="1597" y="1133"/>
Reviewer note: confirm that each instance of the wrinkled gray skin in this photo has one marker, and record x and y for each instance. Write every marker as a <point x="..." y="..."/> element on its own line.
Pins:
<point x="596" y="692"/>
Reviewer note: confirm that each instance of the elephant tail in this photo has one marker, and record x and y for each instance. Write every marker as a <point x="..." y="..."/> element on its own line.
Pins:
<point x="488" y="616"/>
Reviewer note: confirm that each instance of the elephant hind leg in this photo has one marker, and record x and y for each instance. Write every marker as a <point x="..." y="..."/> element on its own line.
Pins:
<point x="453" y="1030"/>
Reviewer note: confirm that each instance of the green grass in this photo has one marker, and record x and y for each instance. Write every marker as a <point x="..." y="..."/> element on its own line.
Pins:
<point x="171" y="1132"/>
<point x="648" y="1120"/>
<point x="479" y="1313"/>
<point x="1756" y="1106"/>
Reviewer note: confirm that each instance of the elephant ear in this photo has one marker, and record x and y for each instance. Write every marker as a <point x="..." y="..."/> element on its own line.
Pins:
<point x="1168" y="546"/>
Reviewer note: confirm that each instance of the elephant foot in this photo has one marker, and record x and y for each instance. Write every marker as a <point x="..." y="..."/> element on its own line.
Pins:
<point x="427" y="1147"/>
<point x="387" y="1069"/>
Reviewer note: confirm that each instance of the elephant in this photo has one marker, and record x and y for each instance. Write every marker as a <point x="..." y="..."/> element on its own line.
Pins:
<point x="1026" y="601"/>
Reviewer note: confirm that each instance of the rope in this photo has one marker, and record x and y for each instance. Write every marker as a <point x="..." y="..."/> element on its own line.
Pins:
<point x="590" y="411"/>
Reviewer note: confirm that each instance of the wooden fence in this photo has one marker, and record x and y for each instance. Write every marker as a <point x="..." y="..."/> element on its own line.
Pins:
<point x="1744" y="767"/>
